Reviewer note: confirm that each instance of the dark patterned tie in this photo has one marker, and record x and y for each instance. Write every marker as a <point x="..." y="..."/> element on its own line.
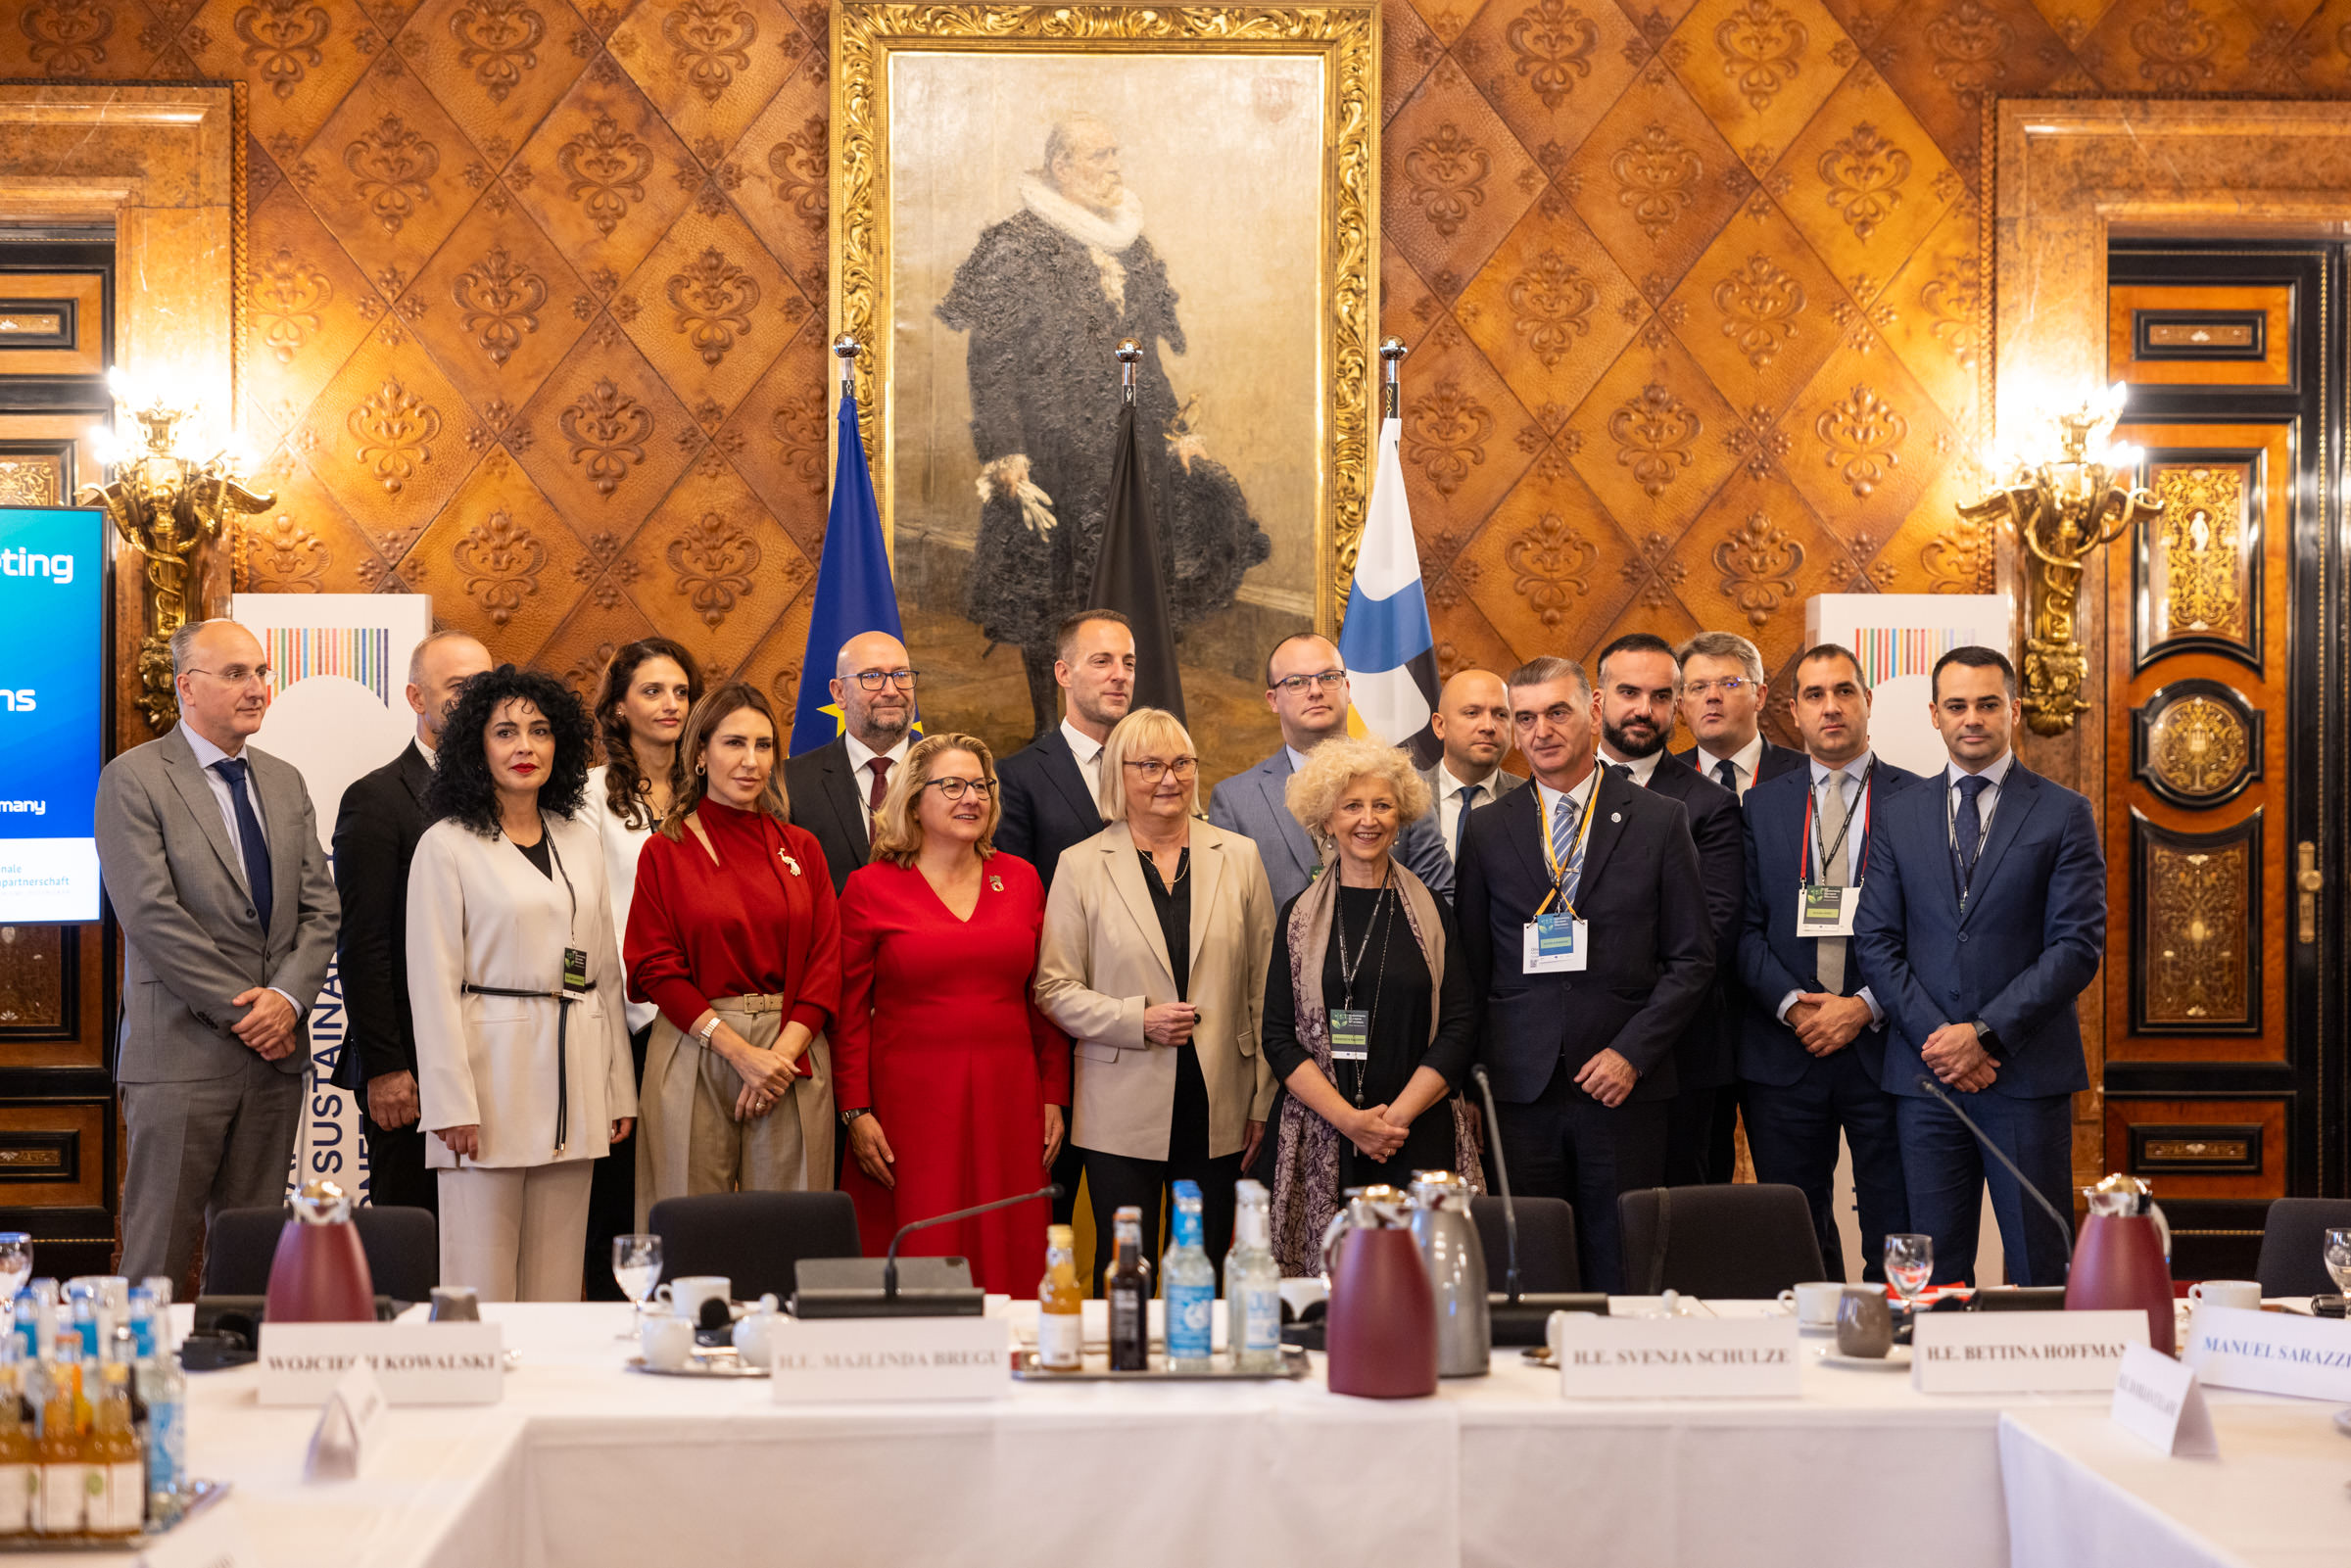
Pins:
<point x="1726" y="774"/>
<point x="1969" y="830"/>
<point x="878" y="791"/>
<point x="256" y="847"/>
<point x="1468" y="796"/>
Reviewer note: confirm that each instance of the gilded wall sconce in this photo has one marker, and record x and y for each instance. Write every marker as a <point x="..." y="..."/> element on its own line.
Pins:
<point x="169" y="496"/>
<point x="2064" y="508"/>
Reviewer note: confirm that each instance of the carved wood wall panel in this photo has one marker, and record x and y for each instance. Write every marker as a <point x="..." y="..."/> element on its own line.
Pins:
<point x="2201" y="1148"/>
<point x="2195" y="941"/>
<point x="2198" y="565"/>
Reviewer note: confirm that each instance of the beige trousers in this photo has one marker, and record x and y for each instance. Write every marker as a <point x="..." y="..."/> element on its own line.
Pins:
<point x="515" y="1233"/>
<point x="687" y="1140"/>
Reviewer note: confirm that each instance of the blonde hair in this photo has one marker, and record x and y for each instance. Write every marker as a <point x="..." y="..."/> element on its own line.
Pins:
<point x="898" y="831"/>
<point x="1315" y="791"/>
<point x="1142" y="730"/>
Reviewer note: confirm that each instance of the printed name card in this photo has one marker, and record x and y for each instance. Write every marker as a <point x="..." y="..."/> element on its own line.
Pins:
<point x="2157" y="1399"/>
<point x="1675" y="1358"/>
<point x="855" y="1359"/>
<point x="2022" y="1352"/>
<point x="418" y="1363"/>
<point x="2274" y="1353"/>
<point x="349" y="1427"/>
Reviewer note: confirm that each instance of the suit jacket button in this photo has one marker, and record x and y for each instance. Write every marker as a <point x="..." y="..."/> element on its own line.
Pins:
<point x="1963" y="936"/>
<point x="1955" y="990"/>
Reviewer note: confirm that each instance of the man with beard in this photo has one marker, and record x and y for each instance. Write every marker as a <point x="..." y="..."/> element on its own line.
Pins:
<point x="1048" y="295"/>
<point x="835" y="789"/>
<point x="1639" y="681"/>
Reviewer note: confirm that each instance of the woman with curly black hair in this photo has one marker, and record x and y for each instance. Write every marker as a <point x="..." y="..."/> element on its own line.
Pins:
<point x="522" y="1053"/>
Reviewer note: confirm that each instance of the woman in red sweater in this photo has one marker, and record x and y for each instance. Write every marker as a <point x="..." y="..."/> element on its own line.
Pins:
<point x="952" y="1084"/>
<point x="735" y="935"/>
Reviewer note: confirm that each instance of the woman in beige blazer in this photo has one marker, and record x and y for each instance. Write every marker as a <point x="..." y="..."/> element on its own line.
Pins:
<point x="1153" y="961"/>
<point x="523" y="1071"/>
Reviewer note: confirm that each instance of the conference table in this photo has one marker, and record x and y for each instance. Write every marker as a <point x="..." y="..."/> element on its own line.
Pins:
<point x="585" y="1464"/>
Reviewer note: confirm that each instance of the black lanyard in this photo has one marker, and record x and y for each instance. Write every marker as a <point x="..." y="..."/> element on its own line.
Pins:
<point x="1350" y="968"/>
<point x="1963" y="870"/>
<point x="1820" y="860"/>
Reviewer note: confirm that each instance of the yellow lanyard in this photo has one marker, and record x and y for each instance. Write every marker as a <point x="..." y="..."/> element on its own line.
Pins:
<point x="1551" y="857"/>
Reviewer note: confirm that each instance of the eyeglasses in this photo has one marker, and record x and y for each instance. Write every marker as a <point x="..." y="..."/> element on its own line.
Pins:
<point x="871" y="680"/>
<point x="1298" y="686"/>
<point x="238" y="674"/>
<point x="1153" y="770"/>
<point x="1729" y="685"/>
<point x="953" y="789"/>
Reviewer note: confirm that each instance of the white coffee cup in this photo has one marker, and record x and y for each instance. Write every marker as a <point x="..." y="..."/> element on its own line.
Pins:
<point x="1816" y="1301"/>
<point x="687" y="1293"/>
<point x="2243" y="1293"/>
<point x="667" y="1341"/>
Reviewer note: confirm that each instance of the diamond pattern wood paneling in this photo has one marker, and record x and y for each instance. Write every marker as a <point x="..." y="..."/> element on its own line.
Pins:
<point x="1667" y="270"/>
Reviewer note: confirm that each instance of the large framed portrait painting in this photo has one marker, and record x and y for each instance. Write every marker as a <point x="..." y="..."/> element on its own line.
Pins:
<point x="1020" y="188"/>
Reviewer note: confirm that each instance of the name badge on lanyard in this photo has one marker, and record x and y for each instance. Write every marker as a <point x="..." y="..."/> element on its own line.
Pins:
<point x="1350" y="1033"/>
<point x="1554" y="944"/>
<point x="1826" y="911"/>
<point x="575" y="970"/>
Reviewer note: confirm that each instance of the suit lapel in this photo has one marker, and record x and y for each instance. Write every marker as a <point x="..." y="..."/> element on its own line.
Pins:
<point x="849" y="805"/>
<point x="1126" y="876"/>
<point x="187" y="777"/>
<point x="281" y="813"/>
<point x="2018" y="793"/>
<point x="415" y="774"/>
<point x="1607" y="812"/>
<point x="1207" y="870"/>
<point x="1527" y="839"/>
<point x="1274" y="778"/>
<point x="1061" y="765"/>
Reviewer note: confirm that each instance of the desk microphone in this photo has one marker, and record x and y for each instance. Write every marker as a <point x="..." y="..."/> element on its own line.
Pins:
<point x="2063" y="1224"/>
<point x="1519" y="1318"/>
<point x="869" y="1287"/>
<point x="889" y="1266"/>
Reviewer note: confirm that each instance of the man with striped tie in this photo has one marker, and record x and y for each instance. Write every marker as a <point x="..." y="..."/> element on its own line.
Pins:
<point x="1583" y="925"/>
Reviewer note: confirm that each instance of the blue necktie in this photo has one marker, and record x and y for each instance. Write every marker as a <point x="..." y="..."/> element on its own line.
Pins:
<point x="1968" y="829"/>
<point x="249" y="835"/>
<point x="1468" y="796"/>
<point x="1566" y="849"/>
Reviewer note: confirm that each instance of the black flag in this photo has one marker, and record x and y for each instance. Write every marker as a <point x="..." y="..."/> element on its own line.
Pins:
<point x="1130" y="575"/>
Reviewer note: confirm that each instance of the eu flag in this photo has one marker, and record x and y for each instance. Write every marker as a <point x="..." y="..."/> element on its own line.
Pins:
<point x="854" y="590"/>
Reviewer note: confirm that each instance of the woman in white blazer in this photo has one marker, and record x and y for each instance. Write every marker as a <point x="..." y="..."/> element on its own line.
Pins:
<point x="514" y="978"/>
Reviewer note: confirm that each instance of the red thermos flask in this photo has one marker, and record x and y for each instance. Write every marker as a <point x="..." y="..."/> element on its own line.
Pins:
<point x="2122" y="1258"/>
<point x="320" y="1275"/>
<point x="1382" y="1332"/>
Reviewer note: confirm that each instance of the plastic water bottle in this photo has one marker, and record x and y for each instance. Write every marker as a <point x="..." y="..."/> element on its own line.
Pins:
<point x="1189" y="1281"/>
<point x="1252" y="1284"/>
<point x="161" y="1390"/>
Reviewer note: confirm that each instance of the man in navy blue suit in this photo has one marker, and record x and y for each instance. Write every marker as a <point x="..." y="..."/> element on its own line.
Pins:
<point x="1812" y="1037"/>
<point x="1982" y="918"/>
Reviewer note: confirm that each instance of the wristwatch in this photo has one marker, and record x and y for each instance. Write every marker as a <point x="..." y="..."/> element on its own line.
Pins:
<point x="709" y="1029"/>
<point x="853" y="1113"/>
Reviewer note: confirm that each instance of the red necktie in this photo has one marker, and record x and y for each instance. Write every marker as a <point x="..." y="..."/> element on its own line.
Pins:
<point x="880" y="769"/>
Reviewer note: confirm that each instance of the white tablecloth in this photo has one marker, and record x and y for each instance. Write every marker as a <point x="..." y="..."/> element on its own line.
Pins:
<point x="2083" y="1494"/>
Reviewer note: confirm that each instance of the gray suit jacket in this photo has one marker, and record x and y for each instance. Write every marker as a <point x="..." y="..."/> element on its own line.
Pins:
<point x="190" y="939"/>
<point x="1252" y="802"/>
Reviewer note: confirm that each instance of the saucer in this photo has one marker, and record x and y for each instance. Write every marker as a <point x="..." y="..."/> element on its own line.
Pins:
<point x="1895" y="1360"/>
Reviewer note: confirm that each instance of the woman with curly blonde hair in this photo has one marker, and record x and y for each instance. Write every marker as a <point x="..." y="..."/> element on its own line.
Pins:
<point x="1369" y="1019"/>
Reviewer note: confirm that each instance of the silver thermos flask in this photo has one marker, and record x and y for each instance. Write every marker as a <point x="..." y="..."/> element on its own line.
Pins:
<point x="1457" y="1272"/>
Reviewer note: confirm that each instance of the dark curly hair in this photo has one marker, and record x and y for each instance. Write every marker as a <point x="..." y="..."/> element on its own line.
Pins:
<point x="461" y="786"/>
<point x="625" y="785"/>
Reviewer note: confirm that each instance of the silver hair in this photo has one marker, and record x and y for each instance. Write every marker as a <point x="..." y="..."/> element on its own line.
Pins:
<point x="183" y="645"/>
<point x="1723" y="646"/>
<point x="447" y="634"/>
<point x="1547" y="668"/>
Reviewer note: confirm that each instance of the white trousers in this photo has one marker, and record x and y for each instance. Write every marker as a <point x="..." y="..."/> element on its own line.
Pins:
<point x="515" y="1233"/>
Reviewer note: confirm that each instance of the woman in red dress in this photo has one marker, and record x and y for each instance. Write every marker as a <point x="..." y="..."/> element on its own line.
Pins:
<point x="952" y="1085"/>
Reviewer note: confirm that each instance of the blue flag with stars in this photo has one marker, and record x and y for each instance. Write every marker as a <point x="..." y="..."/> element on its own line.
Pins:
<point x="853" y="588"/>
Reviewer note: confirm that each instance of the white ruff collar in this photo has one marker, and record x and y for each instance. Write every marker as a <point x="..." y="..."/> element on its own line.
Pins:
<point x="1082" y="224"/>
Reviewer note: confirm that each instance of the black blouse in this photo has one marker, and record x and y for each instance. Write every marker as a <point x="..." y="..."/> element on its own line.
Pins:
<point x="1175" y="907"/>
<point x="1399" y="1001"/>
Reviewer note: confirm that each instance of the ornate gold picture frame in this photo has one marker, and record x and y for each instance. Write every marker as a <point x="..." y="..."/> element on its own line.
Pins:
<point x="1240" y="147"/>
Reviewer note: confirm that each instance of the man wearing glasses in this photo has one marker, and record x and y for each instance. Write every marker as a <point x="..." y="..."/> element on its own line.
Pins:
<point x="213" y="863"/>
<point x="1722" y="704"/>
<point x="1306" y="686"/>
<point x="835" y="789"/>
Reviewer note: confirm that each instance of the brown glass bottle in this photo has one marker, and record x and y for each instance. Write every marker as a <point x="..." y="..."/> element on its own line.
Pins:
<point x="1128" y="1289"/>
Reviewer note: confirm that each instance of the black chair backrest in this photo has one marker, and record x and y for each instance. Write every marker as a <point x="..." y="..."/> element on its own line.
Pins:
<point x="1737" y="1242"/>
<point x="756" y="1239"/>
<point x="2293" y="1240"/>
<point x="1546" y="1244"/>
<point x="402" y="1248"/>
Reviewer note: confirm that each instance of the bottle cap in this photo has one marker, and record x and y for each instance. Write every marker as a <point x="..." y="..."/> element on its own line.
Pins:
<point x="1061" y="1236"/>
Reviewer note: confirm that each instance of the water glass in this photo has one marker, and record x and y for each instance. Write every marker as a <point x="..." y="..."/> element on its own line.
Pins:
<point x="637" y="1269"/>
<point x="2338" y="1257"/>
<point x="1909" y="1263"/>
<point x="15" y="1264"/>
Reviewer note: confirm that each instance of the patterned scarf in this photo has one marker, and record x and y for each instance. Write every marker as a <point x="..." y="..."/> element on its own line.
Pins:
<point x="1308" y="1149"/>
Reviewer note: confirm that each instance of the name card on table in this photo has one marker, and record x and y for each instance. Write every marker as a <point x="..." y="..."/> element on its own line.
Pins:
<point x="2157" y="1399"/>
<point x="854" y="1359"/>
<point x="420" y="1363"/>
<point x="2022" y="1352"/>
<point x="1675" y="1358"/>
<point x="214" y="1537"/>
<point x="2274" y="1353"/>
<point x="348" y="1428"/>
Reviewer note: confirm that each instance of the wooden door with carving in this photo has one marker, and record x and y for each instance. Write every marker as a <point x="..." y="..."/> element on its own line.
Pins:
<point x="2217" y="1073"/>
<point x="58" y="1146"/>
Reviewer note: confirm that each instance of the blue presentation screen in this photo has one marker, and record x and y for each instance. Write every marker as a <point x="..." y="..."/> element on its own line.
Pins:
<point x="52" y="681"/>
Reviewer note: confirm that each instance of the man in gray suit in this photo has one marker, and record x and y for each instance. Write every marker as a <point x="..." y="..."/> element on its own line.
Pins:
<point x="213" y="863"/>
<point x="1306" y="686"/>
<point x="1473" y="723"/>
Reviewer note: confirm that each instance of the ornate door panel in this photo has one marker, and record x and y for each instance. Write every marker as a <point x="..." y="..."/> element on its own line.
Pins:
<point x="2213" y="735"/>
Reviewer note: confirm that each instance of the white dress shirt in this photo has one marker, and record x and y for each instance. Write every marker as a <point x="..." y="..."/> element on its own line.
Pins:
<point x="1743" y="762"/>
<point x="862" y="755"/>
<point x="1451" y="805"/>
<point x="1988" y="800"/>
<point x="621" y="844"/>
<point x="1857" y="841"/>
<point x="1088" y="752"/>
<point x="1642" y="769"/>
<point x="206" y="755"/>
<point x="1581" y="794"/>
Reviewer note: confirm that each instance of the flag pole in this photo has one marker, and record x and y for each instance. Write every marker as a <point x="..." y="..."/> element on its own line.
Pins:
<point x="1130" y="353"/>
<point x="844" y="348"/>
<point x="1391" y="355"/>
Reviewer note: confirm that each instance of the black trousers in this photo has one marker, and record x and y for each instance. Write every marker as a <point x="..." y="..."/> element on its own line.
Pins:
<point x="1702" y="1136"/>
<point x="612" y="1198"/>
<point x="1569" y="1145"/>
<point x="1792" y="1131"/>
<point x="1117" y="1181"/>
<point x="396" y="1172"/>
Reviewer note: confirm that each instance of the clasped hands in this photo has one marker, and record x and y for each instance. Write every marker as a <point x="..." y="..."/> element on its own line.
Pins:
<point x="268" y="1023"/>
<point x="766" y="1074"/>
<point x="1958" y="1058"/>
<point x="1825" y="1023"/>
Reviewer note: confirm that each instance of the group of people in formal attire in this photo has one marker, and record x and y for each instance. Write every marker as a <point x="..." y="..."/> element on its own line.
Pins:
<point x="596" y="955"/>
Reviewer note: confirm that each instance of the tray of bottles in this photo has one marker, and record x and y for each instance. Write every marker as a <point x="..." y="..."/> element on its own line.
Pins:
<point x="1095" y="1368"/>
<point x="195" y="1499"/>
<point x="707" y="1361"/>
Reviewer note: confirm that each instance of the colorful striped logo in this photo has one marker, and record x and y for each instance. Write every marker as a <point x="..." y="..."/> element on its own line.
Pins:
<point x="1887" y="651"/>
<point x="362" y="654"/>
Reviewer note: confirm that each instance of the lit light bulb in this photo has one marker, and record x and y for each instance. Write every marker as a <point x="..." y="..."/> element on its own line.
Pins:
<point x="105" y="446"/>
<point x="2122" y="458"/>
